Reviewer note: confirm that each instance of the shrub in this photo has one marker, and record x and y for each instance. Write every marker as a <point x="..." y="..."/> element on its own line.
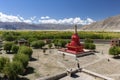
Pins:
<point x="88" y="40"/>
<point x="8" y="36"/>
<point x="15" y="48"/>
<point x="11" y="70"/>
<point x="25" y="50"/>
<point x="3" y="62"/>
<point x="7" y="46"/>
<point x="92" y="46"/>
<point x="86" y="45"/>
<point x="32" y="39"/>
<point x="23" y="58"/>
<point x="37" y="44"/>
<point x="114" y="51"/>
<point x="60" y="43"/>
<point x="63" y="43"/>
<point x="89" y="46"/>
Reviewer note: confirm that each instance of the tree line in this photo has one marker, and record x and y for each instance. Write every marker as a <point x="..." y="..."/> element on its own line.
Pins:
<point x="33" y="35"/>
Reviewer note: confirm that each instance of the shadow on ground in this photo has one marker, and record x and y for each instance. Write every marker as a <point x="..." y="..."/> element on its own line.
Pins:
<point x="29" y="70"/>
<point x="23" y="78"/>
<point x="74" y="76"/>
<point x="33" y="59"/>
<point x="116" y="57"/>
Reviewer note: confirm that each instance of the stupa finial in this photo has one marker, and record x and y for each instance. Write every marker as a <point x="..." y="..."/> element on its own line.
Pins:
<point x="75" y="29"/>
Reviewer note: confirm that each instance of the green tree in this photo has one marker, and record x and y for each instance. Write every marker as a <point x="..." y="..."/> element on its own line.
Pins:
<point x="88" y="40"/>
<point x="8" y="36"/>
<point x="32" y="39"/>
<point x="86" y="45"/>
<point x="60" y="43"/>
<point x="63" y="43"/>
<point x="114" y="51"/>
<point x="92" y="46"/>
<point x="13" y="69"/>
<point x="25" y="50"/>
<point x="89" y="44"/>
<point x="37" y="44"/>
<point x="15" y="48"/>
<point x="23" y="58"/>
<point x="3" y="62"/>
<point x="7" y="46"/>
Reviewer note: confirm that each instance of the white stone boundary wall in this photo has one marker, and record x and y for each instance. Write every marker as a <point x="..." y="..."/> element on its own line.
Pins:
<point x="63" y="74"/>
<point x="57" y="76"/>
<point x="96" y="74"/>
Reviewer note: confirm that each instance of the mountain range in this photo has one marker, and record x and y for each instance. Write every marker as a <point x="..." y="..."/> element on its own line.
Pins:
<point x="109" y="24"/>
<point x="26" y="26"/>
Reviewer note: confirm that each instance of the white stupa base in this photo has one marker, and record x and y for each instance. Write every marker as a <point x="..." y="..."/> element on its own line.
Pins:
<point x="86" y="52"/>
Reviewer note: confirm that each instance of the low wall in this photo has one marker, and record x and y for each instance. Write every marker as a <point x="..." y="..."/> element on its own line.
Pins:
<point x="63" y="74"/>
<point x="57" y="76"/>
<point x="96" y="75"/>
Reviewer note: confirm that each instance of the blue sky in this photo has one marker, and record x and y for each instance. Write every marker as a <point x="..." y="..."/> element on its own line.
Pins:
<point x="61" y="9"/>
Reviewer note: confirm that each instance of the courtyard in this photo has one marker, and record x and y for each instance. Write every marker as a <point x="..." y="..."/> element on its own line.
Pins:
<point x="51" y="63"/>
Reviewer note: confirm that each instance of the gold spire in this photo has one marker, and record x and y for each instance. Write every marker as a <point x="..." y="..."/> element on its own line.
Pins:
<point x="75" y="29"/>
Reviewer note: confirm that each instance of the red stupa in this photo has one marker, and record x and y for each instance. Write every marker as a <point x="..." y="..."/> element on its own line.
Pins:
<point x="74" y="47"/>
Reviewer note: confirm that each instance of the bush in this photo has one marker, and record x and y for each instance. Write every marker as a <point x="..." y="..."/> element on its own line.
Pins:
<point x="32" y="39"/>
<point x="60" y="43"/>
<point x="11" y="70"/>
<point x="92" y="46"/>
<point x="8" y="36"/>
<point x="88" y="40"/>
<point x="63" y="43"/>
<point x="89" y="46"/>
<point x="25" y="50"/>
<point x="115" y="50"/>
<point x="23" y="58"/>
<point x="7" y="46"/>
<point x="3" y="62"/>
<point x="15" y="48"/>
<point x="86" y="45"/>
<point x="37" y="44"/>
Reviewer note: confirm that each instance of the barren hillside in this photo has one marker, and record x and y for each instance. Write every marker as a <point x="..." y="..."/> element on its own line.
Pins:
<point x="109" y="24"/>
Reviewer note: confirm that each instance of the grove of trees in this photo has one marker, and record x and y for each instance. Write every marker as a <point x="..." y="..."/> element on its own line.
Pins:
<point x="38" y="35"/>
<point x="19" y="63"/>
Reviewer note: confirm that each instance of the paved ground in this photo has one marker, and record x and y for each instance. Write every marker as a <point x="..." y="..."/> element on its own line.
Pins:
<point x="52" y="63"/>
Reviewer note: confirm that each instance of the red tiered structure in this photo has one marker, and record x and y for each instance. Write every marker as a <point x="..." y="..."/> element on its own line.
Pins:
<point x="75" y="47"/>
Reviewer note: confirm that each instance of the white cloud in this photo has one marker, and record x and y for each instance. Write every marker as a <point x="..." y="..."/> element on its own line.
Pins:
<point x="45" y="17"/>
<point x="33" y="18"/>
<point x="76" y="20"/>
<point x="11" y="18"/>
<point x="27" y="21"/>
<point x="44" y="20"/>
